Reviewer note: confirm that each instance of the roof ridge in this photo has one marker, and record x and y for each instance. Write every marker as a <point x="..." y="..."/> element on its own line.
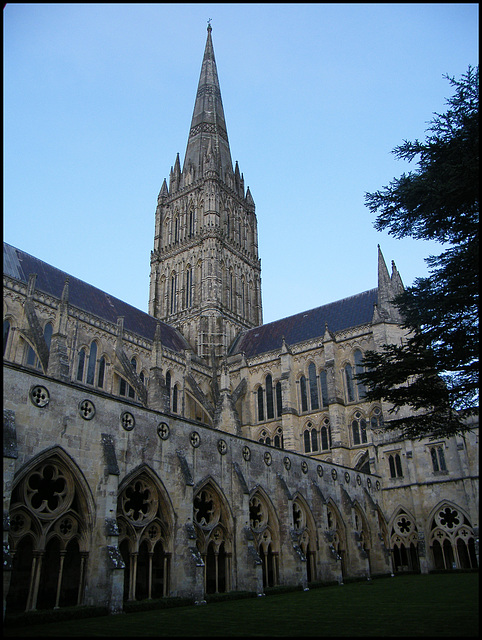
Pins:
<point x="355" y="295"/>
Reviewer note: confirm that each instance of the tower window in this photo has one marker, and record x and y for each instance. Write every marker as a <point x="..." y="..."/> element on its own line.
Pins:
<point x="188" y="299"/>
<point x="191" y="223"/>
<point x="174" y="293"/>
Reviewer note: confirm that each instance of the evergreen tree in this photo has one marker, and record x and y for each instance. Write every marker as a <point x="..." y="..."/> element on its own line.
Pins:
<point x="435" y="371"/>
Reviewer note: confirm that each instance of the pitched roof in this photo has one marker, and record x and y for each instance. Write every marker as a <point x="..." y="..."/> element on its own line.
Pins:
<point x="19" y="265"/>
<point x="342" y="314"/>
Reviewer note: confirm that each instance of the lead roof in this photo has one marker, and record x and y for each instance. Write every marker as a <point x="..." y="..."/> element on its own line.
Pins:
<point x="50" y="280"/>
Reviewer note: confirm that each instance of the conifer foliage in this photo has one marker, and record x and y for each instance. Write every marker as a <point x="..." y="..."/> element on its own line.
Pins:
<point x="435" y="371"/>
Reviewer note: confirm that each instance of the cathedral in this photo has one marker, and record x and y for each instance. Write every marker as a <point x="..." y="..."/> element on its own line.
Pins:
<point x="193" y="449"/>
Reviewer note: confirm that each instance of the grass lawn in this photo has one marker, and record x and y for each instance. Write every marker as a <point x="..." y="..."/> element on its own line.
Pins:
<point x="442" y="605"/>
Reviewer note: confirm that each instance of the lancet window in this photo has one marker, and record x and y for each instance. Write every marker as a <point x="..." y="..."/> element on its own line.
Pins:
<point x="276" y="440"/>
<point x="359" y="368"/>
<point x="309" y="391"/>
<point x="438" y="458"/>
<point x="359" y="429"/>
<point x="395" y="465"/>
<point x="31" y="358"/>
<point x="310" y="438"/>
<point x="325" y="434"/>
<point x="48" y="538"/>
<point x="90" y="370"/>
<point x="269" y="400"/>
<point x="6" y="332"/>
<point x="188" y="290"/>
<point x="144" y="538"/>
<point x="355" y="389"/>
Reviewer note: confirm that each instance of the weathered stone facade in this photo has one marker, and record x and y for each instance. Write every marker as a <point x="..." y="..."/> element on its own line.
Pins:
<point x="194" y="450"/>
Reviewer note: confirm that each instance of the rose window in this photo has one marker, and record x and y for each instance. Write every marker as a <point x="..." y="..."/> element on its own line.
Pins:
<point x="298" y="517"/>
<point x="19" y="523"/>
<point x="257" y="513"/>
<point x="206" y="512"/>
<point x="67" y="527"/>
<point x="47" y="491"/>
<point x="448" y="518"/>
<point x="138" y="502"/>
<point x="403" y="525"/>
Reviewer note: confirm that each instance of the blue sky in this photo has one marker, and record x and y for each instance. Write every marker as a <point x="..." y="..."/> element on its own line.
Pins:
<point x="98" y="100"/>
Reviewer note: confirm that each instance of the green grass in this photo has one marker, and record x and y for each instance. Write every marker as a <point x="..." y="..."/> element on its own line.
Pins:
<point x="442" y="605"/>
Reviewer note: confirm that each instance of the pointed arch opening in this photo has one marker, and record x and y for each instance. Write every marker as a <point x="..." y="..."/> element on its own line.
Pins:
<point x="265" y="528"/>
<point x="337" y="535"/>
<point x="404" y="542"/>
<point x="144" y="518"/>
<point x="51" y="513"/>
<point x="213" y="524"/>
<point x="452" y="538"/>
<point x="305" y="532"/>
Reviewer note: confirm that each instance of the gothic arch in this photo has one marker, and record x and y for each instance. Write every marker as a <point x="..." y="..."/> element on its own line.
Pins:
<point x="305" y="531"/>
<point x="266" y="532"/>
<point x="337" y="534"/>
<point x="213" y="523"/>
<point x="145" y="518"/>
<point x="362" y="530"/>
<point x="404" y="541"/>
<point x="51" y="515"/>
<point x="451" y="537"/>
<point x="361" y="461"/>
<point x="382" y="527"/>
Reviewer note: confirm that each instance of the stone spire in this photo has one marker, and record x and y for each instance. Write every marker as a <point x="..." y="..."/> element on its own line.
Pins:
<point x="388" y="289"/>
<point x="208" y="126"/>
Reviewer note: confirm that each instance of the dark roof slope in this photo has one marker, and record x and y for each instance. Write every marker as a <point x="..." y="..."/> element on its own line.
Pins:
<point x="19" y="265"/>
<point x="339" y="315"/>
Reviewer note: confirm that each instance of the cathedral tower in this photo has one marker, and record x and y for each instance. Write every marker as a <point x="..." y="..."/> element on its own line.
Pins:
<point x="205" y="270"/>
